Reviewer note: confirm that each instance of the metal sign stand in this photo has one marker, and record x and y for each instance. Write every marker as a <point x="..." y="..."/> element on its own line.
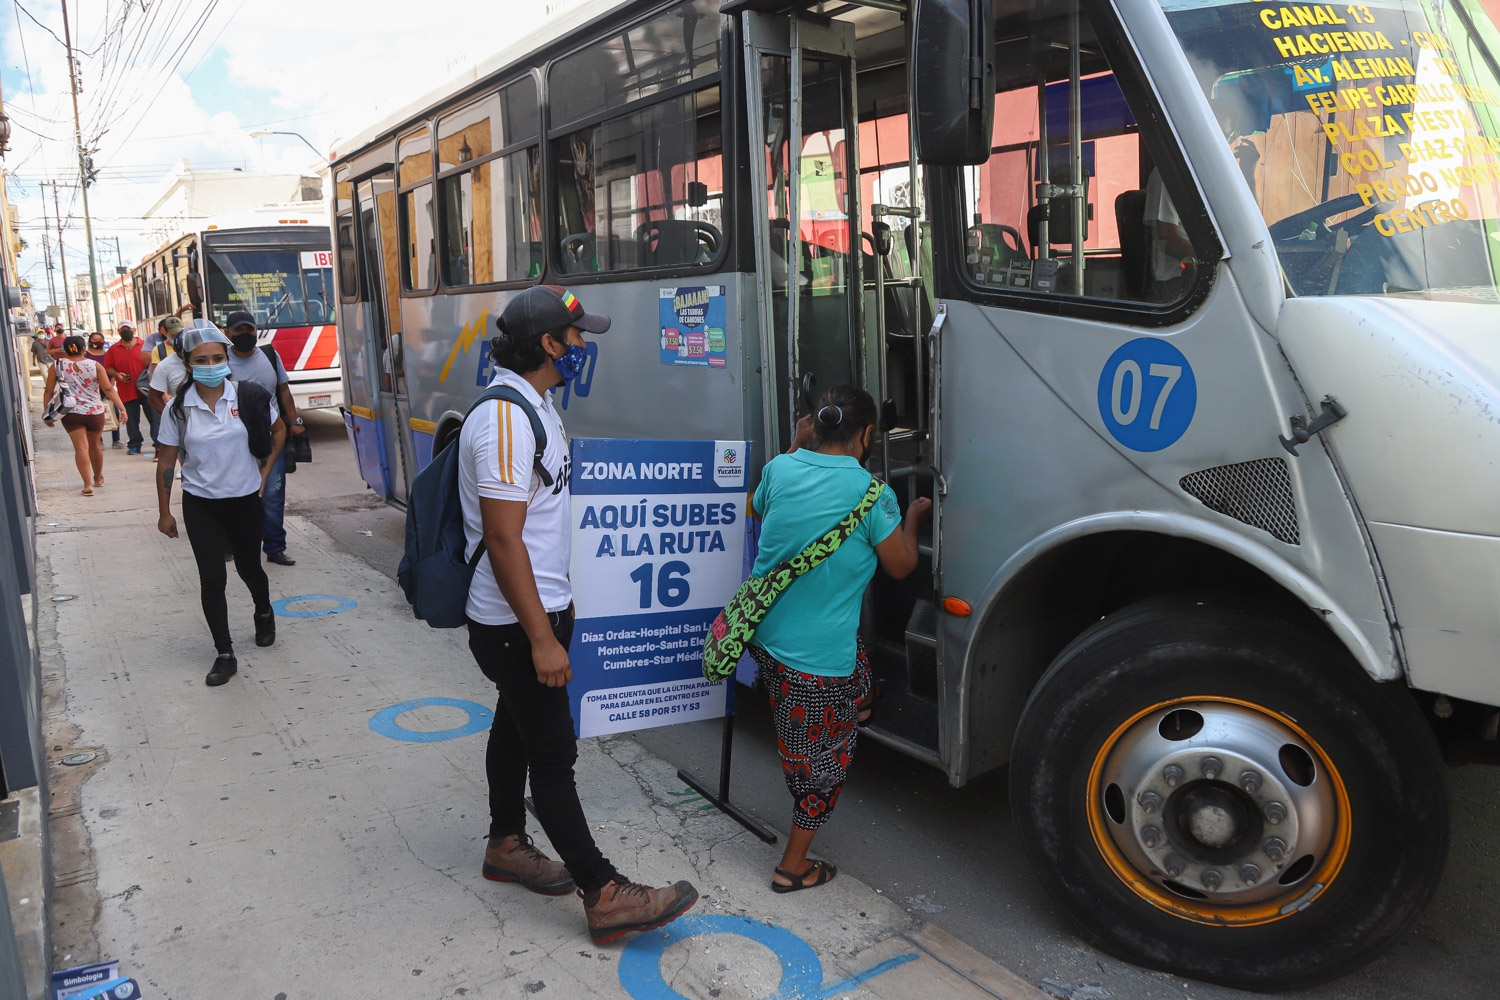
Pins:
<point x="721" y="800"/>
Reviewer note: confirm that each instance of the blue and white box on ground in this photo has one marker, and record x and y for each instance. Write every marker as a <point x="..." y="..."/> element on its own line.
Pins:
<point x="658" y="546"/>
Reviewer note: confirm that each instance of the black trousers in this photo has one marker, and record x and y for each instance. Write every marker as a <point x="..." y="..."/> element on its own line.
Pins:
<point x="533" y="732"/>
<point x="214" y="527"/>
<point x="133" y="409"/>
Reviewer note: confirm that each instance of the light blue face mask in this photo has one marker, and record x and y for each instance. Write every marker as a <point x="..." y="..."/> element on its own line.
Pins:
<point x="211" y="375"/>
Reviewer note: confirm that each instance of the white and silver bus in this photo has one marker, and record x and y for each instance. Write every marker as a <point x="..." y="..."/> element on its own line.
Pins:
<point x="1184" y="313"/>
<point x="276" y="263"/>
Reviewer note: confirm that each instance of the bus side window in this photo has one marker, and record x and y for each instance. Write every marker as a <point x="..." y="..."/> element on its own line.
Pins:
<point x="644" y="186"/>
<point x="417" y="225"/>
<point x="487" y="157"/>
<point x="1023" y="207"/>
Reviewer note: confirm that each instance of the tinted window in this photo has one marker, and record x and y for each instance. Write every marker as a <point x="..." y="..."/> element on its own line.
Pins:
<point x="645" y="189"/>
<point x="672" y="48"/>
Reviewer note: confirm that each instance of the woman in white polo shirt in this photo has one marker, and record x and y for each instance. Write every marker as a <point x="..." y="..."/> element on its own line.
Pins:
<point x="228" y="436"/>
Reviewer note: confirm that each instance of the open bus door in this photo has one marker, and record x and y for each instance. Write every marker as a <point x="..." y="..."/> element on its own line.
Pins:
<point x="379" y="251"/>
<point x="800" y="89"/>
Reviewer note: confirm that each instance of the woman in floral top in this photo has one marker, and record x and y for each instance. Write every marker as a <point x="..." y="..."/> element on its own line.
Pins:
<point x="86" y="389"/>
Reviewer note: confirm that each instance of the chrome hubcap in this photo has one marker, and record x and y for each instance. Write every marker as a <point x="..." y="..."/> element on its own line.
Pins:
<point x="1217" y="801"/>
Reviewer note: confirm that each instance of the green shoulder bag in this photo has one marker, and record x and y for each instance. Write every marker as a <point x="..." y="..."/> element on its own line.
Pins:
<point x="735" y="626"/>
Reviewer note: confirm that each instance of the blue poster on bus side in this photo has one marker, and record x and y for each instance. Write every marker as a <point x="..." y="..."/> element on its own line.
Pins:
<point x="658" y="547"/>
<point x="692" y="326"/>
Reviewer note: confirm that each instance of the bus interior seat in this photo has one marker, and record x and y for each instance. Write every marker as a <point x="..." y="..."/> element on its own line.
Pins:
<point x="667" y="242"/>
<point x="1135" y="242"/>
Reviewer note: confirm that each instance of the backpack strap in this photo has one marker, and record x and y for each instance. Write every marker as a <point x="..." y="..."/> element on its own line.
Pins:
<point x="510" y="394"/>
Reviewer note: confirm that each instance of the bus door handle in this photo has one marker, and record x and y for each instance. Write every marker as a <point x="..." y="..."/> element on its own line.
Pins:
<point x="1302" y="430"/>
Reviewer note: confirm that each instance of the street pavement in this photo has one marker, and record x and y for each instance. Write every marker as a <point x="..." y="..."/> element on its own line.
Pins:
<point x="298" y="833"/>
<point x="260" y="839"/>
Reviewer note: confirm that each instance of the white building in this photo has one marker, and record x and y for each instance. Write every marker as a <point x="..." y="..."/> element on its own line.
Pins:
<point x="190" y="195"/>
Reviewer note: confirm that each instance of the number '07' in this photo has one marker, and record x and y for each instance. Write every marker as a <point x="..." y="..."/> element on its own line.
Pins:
<point x="1129" y="382"/>
<point x="672" y="588"/>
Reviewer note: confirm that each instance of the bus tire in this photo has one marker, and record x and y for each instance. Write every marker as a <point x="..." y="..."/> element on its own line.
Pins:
<point x="1222" y="793"/>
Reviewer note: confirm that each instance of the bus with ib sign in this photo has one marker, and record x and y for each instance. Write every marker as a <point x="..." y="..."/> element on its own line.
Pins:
<point x="1183" y="312"/>
<point x="277" y="264"/>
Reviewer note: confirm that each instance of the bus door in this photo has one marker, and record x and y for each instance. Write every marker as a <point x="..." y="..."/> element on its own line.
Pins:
<point x="800" y="90"/>
<point x="379" y="250"/>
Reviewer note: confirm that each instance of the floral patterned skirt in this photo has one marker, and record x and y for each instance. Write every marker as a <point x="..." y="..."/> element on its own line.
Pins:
<point x="815" y="731"/>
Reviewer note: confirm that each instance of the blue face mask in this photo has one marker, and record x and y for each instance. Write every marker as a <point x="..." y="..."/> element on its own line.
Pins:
<point x="570" y="365"/>
<point x="211" y="375"/>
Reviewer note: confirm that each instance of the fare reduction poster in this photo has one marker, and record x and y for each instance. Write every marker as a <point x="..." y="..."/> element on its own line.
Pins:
<point x="658" y="547"/>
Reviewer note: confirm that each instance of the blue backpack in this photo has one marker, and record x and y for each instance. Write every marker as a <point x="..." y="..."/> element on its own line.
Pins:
<point x="434" y="574"/>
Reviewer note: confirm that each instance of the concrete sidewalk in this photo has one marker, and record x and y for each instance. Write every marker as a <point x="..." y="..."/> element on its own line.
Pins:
<point x="267" y="839"/>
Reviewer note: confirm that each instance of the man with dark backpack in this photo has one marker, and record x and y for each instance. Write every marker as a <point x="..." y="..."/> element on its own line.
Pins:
<point x="513" y="490"/>
<point x="254" y="363"/>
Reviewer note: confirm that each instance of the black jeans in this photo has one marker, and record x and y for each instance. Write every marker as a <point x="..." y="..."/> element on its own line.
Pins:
<point x="533" y="731"/>
<point x="214" y="527"/>
<point x="133" y="422"/>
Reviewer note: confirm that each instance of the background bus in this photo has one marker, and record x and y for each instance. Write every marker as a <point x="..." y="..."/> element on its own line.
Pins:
<point x="276" y="263"/>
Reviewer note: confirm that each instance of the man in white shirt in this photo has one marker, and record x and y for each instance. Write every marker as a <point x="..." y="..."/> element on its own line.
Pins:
<point x="520" y="612"/>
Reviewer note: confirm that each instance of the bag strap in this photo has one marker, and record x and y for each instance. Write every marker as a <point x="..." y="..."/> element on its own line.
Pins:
<point x="511" y="394"/>
<point x="828" y="543"/>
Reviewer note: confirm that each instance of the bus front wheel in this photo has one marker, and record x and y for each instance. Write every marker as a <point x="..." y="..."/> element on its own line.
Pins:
<point x="1221" y="792"/>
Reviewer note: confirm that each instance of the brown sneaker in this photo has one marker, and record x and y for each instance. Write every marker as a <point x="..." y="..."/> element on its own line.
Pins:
<point x="514" y="859"/>
<point x="622" y="906"/>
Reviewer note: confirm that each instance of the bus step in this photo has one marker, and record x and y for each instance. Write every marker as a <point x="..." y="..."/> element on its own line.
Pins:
<point x="921" y="649"/>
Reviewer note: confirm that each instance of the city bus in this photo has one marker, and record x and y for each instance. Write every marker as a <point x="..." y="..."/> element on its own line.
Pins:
<point x="276" y="263"/>
<point x="1183" y="312"/>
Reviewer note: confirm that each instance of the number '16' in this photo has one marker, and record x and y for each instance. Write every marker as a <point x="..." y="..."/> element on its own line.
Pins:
<point x="1129" y="371"/>
<point x="672" y="587"/>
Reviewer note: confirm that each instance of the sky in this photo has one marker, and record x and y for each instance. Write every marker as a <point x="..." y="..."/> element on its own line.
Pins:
<point x="168" y="79"/>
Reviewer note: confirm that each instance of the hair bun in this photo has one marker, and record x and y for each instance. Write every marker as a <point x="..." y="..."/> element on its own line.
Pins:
<point x="831" y="415"/>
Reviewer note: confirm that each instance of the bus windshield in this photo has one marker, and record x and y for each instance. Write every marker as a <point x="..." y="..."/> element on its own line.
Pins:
<point x="1369" y="134"/>
<point x="280" y="287"/>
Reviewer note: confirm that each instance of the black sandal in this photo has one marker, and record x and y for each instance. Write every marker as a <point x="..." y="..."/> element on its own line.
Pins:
<point x="877" y="692"/>
<point x="825" y="871"/>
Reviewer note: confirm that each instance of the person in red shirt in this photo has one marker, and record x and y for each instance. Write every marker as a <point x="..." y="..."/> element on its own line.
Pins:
<point x="55" y="343"/>
<point x="125" y="362"/>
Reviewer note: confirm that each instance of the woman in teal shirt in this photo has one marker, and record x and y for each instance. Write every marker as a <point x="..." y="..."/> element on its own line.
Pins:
<point x="811" y="660"/>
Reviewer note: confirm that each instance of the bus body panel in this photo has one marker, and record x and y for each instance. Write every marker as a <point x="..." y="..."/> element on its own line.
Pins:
<point x="1421" y="383"/>
<point x="1028" y="457"/>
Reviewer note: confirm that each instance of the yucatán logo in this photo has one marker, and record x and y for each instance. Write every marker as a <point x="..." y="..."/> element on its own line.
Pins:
<point x="729" y="465"/>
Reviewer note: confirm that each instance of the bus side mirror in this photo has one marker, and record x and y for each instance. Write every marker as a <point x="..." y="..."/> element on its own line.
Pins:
<point x="953" y="80"/>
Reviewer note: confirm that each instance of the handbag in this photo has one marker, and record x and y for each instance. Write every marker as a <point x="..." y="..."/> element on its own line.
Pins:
<point x="735" y="626"/>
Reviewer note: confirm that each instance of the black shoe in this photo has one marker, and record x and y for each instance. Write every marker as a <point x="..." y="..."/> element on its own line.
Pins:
<point x="265" y="627"/>
<point x="280" y="558"/>
<point x="224" y="668"/>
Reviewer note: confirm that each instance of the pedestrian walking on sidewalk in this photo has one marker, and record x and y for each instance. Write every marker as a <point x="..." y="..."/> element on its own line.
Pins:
<point x="227" y="435"/>
<point x="87" y="393"/>
<point x="40" y="359"/>
<point x="520" y="620"/>
<point x="124" y="362"/>
<point x="164" y="372"/>
<point x="811" y="659"/>
<point x="263" y="365"/>
<point x="95" y="352"/>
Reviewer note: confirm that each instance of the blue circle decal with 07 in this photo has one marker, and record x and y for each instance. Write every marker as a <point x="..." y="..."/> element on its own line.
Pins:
<point x="1147" y="394"/>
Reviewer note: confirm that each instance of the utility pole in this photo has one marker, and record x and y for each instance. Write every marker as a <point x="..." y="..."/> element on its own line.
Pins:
<point x="47" y="251"/>
<point x="62" y="260"/>
<point x="84" y="168"/>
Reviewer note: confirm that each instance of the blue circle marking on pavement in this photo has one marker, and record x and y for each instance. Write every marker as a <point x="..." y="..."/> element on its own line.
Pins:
<point x="384" y="721"/>
<point x="1147" y="394"/>
<point x="801" y="970"/>
<point x="282" y="607"/>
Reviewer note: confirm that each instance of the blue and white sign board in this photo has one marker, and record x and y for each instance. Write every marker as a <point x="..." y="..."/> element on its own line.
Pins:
<point x="88" y="979"/>
<point x="658" y="548"/>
